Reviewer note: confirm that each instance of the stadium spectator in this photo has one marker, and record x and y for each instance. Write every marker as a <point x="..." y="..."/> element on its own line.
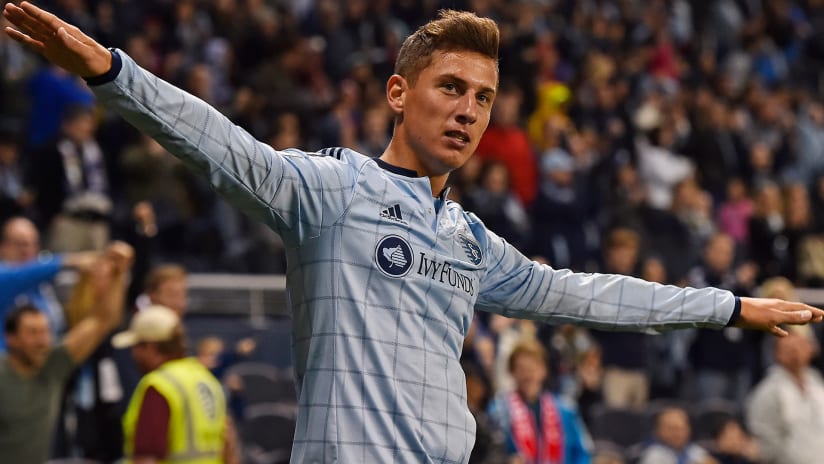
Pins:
<point x="767" y="240"/>
<point x="784" y="410"/>
<point x="659" y="166"/>
<point x="539" y="426"/>
<point x="508" y="333"/>
<point x="35" y="370"/>
<point x="494" y="202"/>
<point x="729" y="376"/>
<point x="798" y="226"/>
<point x="71" y="185"/>
<point x="26" y="274"/>
<point x="671" y="444"/>
<point x="625" y="355"/>
<point x="15" y="198"/>
<point x="178" y="411"/>
<point x="375" y="133"/>
<point x="52" y="93"/>
<point x="506" y="141"/>
<point x="733" y="445"/>
<point x="734" y="212"/>
<point x="589" y="376"/>
<point x="560" y="213"/>
<point x="714" y="149"/>
<point x="693" y="207"/>
<point x="489" y="447"/>
<point x="166" y="285"/>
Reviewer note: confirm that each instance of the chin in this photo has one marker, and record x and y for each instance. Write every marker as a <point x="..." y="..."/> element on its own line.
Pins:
<point x="449" y="162"/>
<point x="38" y="361"/>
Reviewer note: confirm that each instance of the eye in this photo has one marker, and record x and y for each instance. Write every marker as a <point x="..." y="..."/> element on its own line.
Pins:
<point x="483" y="98"/>
<point x="450" y="87"/>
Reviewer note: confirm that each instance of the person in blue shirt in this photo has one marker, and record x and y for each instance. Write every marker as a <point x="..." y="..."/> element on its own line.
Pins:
<point x="540" y="427"/>
<point x="383" y="272"/>
<point x="26" y="275"/>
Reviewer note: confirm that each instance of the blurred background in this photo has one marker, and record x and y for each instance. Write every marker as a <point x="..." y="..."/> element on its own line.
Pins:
<point x="681" y="141"/>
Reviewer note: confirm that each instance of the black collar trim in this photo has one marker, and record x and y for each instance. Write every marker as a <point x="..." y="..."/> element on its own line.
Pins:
<point x="396" y="169"/>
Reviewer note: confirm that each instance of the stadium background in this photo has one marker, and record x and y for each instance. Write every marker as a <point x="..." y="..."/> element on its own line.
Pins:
<point x="652" y="126"/>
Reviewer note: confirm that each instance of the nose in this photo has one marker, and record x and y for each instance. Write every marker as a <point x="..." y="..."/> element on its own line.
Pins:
<point x="467" y="109"/>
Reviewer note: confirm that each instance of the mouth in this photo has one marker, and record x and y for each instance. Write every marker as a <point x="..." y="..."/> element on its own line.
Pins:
<point x="459" y="136"/>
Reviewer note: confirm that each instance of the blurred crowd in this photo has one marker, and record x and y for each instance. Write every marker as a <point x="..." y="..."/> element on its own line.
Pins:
<point x="674" y="140"/>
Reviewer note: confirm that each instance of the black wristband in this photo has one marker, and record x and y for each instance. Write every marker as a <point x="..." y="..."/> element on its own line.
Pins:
<point x="736" y="313"/>
<point x="111" y="74"/>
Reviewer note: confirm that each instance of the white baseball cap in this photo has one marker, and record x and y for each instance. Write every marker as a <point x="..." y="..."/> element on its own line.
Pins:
<point x="152" y="324"/>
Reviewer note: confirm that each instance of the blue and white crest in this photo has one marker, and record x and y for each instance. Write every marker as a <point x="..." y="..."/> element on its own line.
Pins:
<point x="393" y="255"/>
<point x="471" y="248"/>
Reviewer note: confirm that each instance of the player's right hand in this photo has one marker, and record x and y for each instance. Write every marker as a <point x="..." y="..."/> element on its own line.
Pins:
<point x="58" y="41"/>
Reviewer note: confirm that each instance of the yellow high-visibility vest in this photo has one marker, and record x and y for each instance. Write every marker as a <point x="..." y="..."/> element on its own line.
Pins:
<point x="197" y="412"/>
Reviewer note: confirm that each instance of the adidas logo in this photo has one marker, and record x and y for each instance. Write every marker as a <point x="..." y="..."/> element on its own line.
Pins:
<point x="393" y="213"/>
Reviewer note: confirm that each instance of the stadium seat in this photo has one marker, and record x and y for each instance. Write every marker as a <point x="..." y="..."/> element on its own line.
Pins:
<point x="263" y="383"/>
<point x="708" y="415"/>
<point x="623" y="427"/>
<point x="267" y="439"/>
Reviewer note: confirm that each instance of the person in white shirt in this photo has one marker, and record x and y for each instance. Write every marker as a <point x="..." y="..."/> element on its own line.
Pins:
<point x="786" y="410"/>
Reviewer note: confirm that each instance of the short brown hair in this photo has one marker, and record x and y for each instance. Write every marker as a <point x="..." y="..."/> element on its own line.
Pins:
<point x="161" y="274"/>
<point x="451" y="31"/>
<point x="175" y="346"/>
<point x="528" y="347"/>
<point x="13" y="317"/>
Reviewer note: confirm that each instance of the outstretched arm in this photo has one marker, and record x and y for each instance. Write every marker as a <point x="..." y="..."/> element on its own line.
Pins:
<point x="293" y="192"/>
<point x="518" y="287"/>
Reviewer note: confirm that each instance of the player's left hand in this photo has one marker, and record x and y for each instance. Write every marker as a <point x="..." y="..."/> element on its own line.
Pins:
<point x="769" y="313"/>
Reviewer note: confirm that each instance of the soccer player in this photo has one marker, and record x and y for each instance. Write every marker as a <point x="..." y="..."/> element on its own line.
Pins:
<point x="383" y="272"/>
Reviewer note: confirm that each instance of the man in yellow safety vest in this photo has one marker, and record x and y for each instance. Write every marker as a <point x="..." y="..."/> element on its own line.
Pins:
<point x="178" y="411"/>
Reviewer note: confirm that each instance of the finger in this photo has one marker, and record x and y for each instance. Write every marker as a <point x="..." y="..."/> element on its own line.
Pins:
<point x="799" y="317"/>
<point x="818" y="314"/>
<point x="24" y="39"/>
<point x="43" y="16"/>
<point x="26" y="23"/>
<point x="778" y="331"/>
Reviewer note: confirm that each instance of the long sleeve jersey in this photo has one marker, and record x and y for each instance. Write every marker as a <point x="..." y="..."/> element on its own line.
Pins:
<point x="383" y="279"/>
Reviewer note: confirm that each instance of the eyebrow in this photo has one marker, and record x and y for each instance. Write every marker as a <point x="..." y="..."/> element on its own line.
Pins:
<point x="464" y="83"/>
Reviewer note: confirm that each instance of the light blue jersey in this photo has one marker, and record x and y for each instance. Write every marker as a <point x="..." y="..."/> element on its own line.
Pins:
<point x="383" y="283"/>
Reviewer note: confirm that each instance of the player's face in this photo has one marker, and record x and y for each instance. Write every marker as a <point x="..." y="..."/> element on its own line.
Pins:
<point x="447" y="110"/>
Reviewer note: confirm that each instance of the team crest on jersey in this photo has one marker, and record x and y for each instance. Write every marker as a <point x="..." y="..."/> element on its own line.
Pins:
<point x="471" y="248"/>
<point x="393" y="255"/>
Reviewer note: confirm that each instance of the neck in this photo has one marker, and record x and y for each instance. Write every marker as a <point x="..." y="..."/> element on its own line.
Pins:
<point x="531" y="397"/>
<point x="20" y="366"/>
<point x="797" y="374"/>
<point x="405" y="158"/>
<point x="161" y="360"/>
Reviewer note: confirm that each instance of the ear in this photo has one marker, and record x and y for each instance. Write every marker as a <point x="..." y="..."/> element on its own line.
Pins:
<point x="396" y="92"/>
